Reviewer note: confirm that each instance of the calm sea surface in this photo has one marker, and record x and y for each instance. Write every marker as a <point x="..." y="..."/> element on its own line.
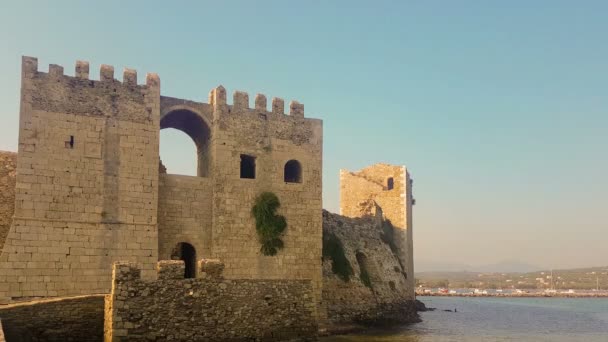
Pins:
<point x="500" y="319"/>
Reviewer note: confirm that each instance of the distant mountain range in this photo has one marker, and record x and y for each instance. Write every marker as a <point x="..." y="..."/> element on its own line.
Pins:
<point x="507" y="266"/>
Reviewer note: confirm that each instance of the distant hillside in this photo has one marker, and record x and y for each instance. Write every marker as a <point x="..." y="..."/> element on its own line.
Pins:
<point x="579" y="278"/>
<point x="507" y="266"/>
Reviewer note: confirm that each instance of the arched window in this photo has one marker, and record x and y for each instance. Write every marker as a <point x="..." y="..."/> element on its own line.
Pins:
<point x="293" y="172"/>
<point x="247" y="166"/>
<point x="390" y="183"/>
<point x="174" y="151"/>
<point x="186" y="252"/>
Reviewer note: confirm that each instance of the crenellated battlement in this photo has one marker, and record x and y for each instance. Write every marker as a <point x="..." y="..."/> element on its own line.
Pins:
<point x="209" y="269"/>
<point x="240" y="103"/>
<point x="29" y="67"/>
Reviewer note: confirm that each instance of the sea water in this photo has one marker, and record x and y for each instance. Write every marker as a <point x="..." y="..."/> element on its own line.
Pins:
<point x="500" y="319"/>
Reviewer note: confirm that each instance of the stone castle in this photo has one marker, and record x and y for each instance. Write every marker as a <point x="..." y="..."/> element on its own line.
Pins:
<point x="87" y="193"/>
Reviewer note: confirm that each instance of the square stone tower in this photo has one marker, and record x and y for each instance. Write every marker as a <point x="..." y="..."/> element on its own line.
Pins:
<point x="389" y="187"/>
<point x="86" y="181"/>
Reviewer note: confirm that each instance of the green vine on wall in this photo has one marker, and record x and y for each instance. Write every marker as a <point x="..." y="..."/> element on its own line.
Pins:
<point x="268" y="225"/>
<point x="333" y="249"/>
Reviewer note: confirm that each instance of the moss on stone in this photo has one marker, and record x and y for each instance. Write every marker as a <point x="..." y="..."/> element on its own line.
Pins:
<point x="333" y="249"/>
<point x="268" y="225"/>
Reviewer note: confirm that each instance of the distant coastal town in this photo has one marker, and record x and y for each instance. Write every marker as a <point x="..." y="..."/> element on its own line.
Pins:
<point x="509" y="293"/>
<point x="582" y="282"/>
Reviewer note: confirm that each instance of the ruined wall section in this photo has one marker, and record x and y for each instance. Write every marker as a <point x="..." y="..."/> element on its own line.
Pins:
<point x="87" y="178"/>
<point x="273" y="138"/>
<point x="8" y="166"/>
<point x="59" y="319"/>
<point x="372" y="183"/>
<point x="208" y="308"/>
<point x="184" y="214"/>
<point x="386" y="300"/>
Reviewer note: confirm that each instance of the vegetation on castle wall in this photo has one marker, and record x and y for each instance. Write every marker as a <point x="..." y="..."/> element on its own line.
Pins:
<point x="268" y="225"/>
<point x="333" y="249"/>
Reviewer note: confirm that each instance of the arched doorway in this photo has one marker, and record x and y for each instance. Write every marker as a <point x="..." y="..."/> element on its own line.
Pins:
<point x="197" y="129"/>
<point x="186" y="252"/>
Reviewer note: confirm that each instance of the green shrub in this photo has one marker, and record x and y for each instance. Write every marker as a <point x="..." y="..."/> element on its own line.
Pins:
<point x="268" y="225"/>
<point x="333" y="249"/>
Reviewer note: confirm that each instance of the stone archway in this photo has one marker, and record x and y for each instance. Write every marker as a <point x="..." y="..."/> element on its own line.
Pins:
<point x="192" y="124"/>
<point x="186" y="252"/>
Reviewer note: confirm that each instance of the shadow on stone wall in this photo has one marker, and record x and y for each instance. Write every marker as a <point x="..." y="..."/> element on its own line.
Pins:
<point x="55" y="320"/>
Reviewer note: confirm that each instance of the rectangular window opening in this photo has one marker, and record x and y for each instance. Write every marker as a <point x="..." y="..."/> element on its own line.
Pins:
<point x="247" y="166"/>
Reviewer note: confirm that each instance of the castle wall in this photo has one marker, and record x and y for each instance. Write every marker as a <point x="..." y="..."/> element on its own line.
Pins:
<point x="8" y="166"/>
<point x="207" y="308"/>
<point x="387" y="299"/>
<point x="63" y="319"/>
<point x="371" y="183"/>
<point x="273" y="138"/>
<point x="86" y="186"/>
<point x="184" y="214"/>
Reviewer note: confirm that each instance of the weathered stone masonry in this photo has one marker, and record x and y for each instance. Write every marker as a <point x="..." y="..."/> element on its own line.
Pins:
<point x="75" y="319"/>
<point x="208" y="308"/>
<point x="8" y="168"/>
<point x="87" y="174"/>
<point x="386" y="299"/>
<point x="88" y="190"/>
<point x="390" y="188"/>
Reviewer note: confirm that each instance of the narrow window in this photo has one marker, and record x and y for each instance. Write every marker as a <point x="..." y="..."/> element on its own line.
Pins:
<point x="293" y="172"/>
<point x="247" y="166"/>
<point x="390" y="183"/>
<point x="70" y="143"/>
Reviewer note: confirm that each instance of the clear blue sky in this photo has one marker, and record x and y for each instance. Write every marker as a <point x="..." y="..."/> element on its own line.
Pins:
<point x="499" y="109"/>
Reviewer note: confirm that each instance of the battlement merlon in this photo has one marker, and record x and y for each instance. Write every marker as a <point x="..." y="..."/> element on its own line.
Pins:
<point x="170" y="269"/>
<point x="29" y="68"/>
<point x="125" y="271"/>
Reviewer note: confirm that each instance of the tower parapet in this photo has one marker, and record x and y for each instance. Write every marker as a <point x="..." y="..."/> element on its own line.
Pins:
<point x="29" y="68"/>
<point x="240" y="105"/>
